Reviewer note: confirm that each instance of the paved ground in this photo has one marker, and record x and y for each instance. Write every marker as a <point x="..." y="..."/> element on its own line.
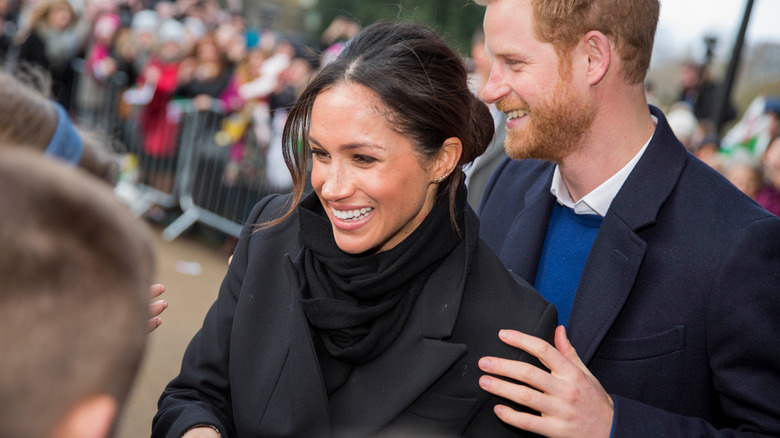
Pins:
<point x="189" y="297"/>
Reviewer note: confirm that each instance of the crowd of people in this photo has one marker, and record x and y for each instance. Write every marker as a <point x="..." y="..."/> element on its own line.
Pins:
<point x="749" y="164"/>
<point x="605" y="283"/>
<point x="194" y="53"/>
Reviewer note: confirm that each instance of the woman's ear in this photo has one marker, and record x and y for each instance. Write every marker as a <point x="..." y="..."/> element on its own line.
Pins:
<point x="448" y="158"/>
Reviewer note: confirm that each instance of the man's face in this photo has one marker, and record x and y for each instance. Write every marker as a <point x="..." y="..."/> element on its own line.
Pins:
<point x="547" y="117"/>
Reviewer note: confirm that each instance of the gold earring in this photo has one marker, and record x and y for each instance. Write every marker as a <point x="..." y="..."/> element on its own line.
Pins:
<point x="441" y="178"/>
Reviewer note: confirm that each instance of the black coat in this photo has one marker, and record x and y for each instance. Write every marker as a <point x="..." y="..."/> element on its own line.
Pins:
<point x="252" y="370"/>
<point x="677" y="312"/>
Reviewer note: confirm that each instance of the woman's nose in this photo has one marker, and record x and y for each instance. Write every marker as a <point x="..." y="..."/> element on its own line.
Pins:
<point x="337" y="184"/>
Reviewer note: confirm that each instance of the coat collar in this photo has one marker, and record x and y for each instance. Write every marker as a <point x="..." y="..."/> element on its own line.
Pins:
<point x="618" y="251"/>
<point x="522" y="250"/>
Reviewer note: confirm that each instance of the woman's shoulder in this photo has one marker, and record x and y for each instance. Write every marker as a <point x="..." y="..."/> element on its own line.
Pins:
<point x="489" y="272"/>
<point x="269" y="208"/>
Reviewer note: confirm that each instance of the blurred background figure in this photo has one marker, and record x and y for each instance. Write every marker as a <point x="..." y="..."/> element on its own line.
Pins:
<point x="204" y="75"/>
<point x="746" y="174"/>
<point x="698" y="89"/>
<point x="153" y="92"/>
<point x="54" y="36"/>
<point x="134" y="44"/>
<point x="769" y="195"/>
<point x="75" y="268"/>
<point x="9" y="15"/>
<point x="478" y="173"/>
<point x="340" y="30"/>
<point x="650" y="93"/>
<point x="683" y="122"/>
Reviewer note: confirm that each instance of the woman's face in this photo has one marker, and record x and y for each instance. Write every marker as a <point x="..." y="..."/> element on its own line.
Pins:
<point x="208" y="52"/>
<point x="772" y="162"/>
<point x="59" y="17"/>
<point x="372" y="183"/>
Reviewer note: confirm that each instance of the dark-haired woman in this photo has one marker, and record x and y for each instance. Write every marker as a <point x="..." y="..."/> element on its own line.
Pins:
<point x="362" y="308"/>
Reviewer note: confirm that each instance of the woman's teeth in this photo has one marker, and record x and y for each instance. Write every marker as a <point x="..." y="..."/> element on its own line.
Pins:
<point x="347" y="215"/>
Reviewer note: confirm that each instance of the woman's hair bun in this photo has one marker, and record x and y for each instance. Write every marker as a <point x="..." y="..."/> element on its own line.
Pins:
<point x="482" y="130"/>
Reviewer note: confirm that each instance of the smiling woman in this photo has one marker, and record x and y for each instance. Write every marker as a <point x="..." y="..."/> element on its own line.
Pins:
<point x="369" y="178"/>
<point x="336" y="295"/>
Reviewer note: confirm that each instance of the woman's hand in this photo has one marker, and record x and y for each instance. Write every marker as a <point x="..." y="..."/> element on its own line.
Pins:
<point x="157" y="307"/>
<point x="201" y="432"/>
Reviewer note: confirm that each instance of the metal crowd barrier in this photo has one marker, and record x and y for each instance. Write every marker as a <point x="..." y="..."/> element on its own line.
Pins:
<point x="178" y="162"/>
<point x="96" y="103"/>
<point x="220" y="183"/>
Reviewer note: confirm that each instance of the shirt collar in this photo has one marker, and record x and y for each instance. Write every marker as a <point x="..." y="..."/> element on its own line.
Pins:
<point x="597" y="201"/>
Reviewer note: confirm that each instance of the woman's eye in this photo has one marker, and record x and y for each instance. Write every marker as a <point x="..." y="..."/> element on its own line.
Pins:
<point x="364" y="159"/>
<point x="319" y="154"/>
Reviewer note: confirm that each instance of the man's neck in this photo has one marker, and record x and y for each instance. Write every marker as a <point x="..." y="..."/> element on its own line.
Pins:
<point x="617" y="135"/>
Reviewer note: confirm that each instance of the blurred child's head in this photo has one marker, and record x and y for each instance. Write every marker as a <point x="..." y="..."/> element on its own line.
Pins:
<point x="75" y="268"/>
<point x="746" y="174"/>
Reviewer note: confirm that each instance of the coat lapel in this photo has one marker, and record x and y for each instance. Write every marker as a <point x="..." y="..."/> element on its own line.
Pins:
<point x="525" y="238"/>
<point x="378" y="392"/>
<point x="294" y="394"/>
<point x="606" y="282"/>
<point x="618" y="251"/>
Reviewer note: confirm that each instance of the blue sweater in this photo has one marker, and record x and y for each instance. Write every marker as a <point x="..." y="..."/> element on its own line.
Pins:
<point x="566" y="248"/>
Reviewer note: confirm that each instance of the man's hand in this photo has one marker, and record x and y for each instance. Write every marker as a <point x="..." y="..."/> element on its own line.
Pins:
<point x="572" y="402"/>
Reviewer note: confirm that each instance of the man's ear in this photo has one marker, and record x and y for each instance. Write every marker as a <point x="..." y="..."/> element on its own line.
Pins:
<point x="598" y="50"/>
<point x="448" y="157"/>
<point x="92" y="417"/>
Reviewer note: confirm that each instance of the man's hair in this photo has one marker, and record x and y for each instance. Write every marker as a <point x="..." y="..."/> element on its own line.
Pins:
<point x="629" y="24"/>
<point x="75" y="270"/>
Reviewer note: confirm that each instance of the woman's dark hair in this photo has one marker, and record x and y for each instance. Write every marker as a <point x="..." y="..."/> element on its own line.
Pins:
<point x="423" y="83"/>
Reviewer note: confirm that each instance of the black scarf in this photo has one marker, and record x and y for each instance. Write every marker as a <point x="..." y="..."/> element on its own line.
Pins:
<point x="358" y="304"/>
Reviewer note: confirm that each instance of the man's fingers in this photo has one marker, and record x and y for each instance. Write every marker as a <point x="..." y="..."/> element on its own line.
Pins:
<point x="520" y="394"/>
<point x="546" y="353"/>
<point x="520" y="371"/>
<point x="563" y="345"/>
<point x="523" y="420"/>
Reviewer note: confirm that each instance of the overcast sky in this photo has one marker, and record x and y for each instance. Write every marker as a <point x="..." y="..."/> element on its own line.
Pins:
<point x="684" y="23"/>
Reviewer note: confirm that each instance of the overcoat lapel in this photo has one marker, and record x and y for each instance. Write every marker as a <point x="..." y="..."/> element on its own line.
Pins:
<point x="618" y="251"/>
<point x="525" y="238"/>
<point x="295" y="401"/>
<point x="417" y="358"/>
<point x="606" y="282"/>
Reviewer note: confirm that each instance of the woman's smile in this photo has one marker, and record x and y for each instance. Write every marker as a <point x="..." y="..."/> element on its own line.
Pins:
<point x="371" y="180"/>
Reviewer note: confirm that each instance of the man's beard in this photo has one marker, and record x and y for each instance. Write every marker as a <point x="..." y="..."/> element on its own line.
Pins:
<point x="555" y="126"/>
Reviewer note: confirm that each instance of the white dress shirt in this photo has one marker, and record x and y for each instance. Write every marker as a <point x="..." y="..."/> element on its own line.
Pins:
<point x="600" y="198"/>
